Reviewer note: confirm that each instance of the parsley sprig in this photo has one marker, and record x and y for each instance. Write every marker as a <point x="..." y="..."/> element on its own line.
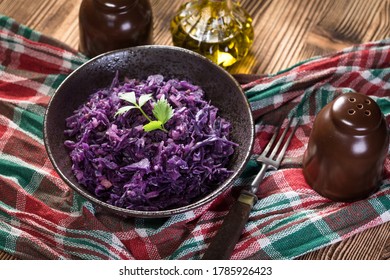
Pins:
<point x="162" y="110"/>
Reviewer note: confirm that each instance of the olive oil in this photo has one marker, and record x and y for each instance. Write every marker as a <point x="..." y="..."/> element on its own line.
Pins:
<point x="220" y="30"/>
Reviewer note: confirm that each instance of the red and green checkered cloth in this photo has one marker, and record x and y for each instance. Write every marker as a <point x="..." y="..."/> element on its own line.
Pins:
<point x="42" y="218"/>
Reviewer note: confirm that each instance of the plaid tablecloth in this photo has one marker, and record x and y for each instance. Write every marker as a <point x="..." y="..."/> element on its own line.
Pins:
<point x="41" y="218"/>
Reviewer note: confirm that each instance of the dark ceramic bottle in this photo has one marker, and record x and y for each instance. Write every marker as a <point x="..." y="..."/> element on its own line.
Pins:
<point x="107" y="25"/>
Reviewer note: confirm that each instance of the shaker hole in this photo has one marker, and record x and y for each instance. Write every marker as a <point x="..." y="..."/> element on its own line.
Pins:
<point x="360" y="106"/>
<point x="367" y="101"/>
<point x="367" y="113"/>
<point x="352" y="111"/>
<point x="351" y="99"/>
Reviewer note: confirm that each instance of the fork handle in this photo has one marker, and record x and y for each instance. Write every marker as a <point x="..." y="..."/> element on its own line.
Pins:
<point x="223" y="243"/>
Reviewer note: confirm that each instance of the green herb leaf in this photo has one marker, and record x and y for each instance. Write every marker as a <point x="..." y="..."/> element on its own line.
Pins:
<point x="153" y="125"/>
<point x="124" y="109"/>
<point x="143" y="99"/>
<point x="129" y="97"/>
<point x="163" y="110"/>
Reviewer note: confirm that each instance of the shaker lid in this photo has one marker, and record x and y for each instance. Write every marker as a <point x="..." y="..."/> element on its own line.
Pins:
<point x="356" y="113"/>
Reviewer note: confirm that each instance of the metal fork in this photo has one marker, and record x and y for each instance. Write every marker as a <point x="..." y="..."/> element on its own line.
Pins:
<point x="222" y="245"/>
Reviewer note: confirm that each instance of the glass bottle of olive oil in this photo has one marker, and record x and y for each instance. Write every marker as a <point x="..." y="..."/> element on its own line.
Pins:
<point x="221" y="30"/>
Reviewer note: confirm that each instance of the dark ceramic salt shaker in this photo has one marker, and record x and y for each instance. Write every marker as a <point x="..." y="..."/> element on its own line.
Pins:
<point x="347" y="148"/>
<point x="107" y="25"/>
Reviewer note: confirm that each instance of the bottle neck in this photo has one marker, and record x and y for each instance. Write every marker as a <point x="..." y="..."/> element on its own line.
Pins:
<point x="115" y="5"/>
<point x="217" y="4"/>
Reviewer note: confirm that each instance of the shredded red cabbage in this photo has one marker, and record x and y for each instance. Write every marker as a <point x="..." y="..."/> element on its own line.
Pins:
<point x="121" y="164"/>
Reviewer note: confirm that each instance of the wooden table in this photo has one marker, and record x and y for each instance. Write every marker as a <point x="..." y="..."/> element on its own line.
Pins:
<point x="286" y="32"/>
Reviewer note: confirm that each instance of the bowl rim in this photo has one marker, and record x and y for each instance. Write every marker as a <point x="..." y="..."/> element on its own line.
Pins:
<point x="159" y="213"/>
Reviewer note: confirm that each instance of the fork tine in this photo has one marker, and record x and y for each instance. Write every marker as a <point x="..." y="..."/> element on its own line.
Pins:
<point x="271" y="142"/>
<point x="267" y="161"/>
<point x="287" y="143"/>
<point x="281" y="139"/>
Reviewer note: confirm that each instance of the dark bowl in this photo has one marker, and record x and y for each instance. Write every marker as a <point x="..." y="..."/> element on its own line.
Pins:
<point x="140" y="62"/>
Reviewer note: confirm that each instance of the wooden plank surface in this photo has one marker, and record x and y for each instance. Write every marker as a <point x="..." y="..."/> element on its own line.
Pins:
<point x="286" y="32"/>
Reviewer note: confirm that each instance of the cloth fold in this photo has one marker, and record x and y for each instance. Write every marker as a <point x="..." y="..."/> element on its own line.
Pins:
<point x="42" y="218"/>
